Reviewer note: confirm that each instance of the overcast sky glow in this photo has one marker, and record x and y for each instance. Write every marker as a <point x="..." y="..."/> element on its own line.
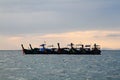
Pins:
<point x="43" y="17"/>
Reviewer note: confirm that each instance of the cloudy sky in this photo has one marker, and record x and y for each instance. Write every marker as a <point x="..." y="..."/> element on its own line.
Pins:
<point x="64" y="21"/>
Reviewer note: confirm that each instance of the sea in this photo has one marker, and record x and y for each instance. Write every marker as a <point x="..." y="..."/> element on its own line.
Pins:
<point x="16" y="66"/>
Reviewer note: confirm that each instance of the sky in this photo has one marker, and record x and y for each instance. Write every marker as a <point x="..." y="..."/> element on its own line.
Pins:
<point x="64" y="21"/>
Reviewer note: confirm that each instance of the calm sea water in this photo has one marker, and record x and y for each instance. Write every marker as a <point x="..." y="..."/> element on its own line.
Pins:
<point x="16" y="66"/>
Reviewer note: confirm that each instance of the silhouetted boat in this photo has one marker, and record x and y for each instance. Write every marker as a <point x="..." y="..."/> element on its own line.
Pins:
<point x="69" y="51"/>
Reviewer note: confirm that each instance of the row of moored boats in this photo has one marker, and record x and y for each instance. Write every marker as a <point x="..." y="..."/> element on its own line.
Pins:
<point x="80" y="49"/>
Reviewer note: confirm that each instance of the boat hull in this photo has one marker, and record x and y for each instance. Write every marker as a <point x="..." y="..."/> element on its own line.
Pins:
<point x="32" y="52"/>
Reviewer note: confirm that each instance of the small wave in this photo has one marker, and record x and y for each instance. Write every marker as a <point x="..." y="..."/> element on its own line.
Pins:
<point x="17" y="69"/>
<point x="2" y="61"/>
<point x="57" y="72"/>
<point x="116" y="77"/>
<point x="17" y="78"/>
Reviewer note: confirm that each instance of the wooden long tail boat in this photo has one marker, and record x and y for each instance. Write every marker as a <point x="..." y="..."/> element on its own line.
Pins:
<point x="69" y="51"/>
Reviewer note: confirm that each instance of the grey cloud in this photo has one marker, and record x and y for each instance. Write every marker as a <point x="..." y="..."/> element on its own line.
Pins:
<point x="57" y="5"/>
<point x="113" y="35"/>
<point x="53" y="16"/>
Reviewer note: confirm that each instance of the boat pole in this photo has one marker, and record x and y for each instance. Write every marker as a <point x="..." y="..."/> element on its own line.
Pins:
<point x="30" y="47"/>
<point x="58" y="47"/>
<point x="23" y="48"/>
